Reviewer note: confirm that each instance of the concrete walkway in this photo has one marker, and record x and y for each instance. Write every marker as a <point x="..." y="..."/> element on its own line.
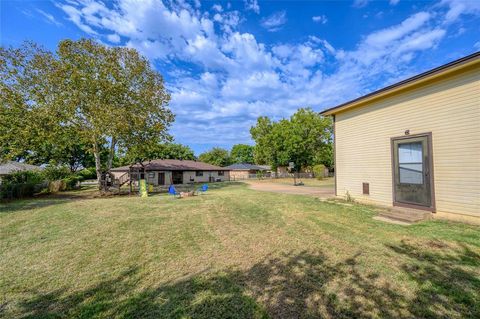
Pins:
<point x="320" y="192"/>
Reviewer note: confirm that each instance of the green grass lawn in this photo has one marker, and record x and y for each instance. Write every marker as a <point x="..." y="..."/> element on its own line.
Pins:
<point x="231" y="253"/>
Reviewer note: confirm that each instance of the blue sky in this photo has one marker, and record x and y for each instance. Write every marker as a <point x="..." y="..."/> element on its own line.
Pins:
<point x="228" y="62"/>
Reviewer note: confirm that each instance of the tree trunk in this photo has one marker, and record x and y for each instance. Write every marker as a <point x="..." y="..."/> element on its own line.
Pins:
<point x="98" y="165"/>
<point x="111" y="154"/>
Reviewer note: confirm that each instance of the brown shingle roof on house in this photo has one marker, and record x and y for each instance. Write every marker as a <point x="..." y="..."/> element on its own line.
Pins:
<point x="173" y="165"/>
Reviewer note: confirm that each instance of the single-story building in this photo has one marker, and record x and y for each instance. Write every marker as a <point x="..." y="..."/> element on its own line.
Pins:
<point x="9" y="167"/>
<point x="245" y="171"/>
<point x="415" y="143"/>
<point x="170" y="171"/>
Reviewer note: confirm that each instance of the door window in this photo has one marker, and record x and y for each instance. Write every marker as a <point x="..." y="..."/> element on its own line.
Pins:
<point x="410" y="163"/>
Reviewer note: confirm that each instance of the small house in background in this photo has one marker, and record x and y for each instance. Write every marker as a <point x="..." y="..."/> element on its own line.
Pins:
<point x="171" y="171"/>
<point x="414" y="144"/>
<point x="245" y="171"/>
<point x="10" y="167"/>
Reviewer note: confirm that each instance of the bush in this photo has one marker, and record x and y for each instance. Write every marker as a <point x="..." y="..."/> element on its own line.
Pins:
<point x="54" y="173"/>
<point x="60" y="178"/>
<point x="72" y="181"/>
<point x="56" y="186"/>
<point x="260" y="174"/>
<point x="20" y="177"/>
<point x="319" y="171"/>
<point x="21" y="184"/>
<point x="87" y="173"/>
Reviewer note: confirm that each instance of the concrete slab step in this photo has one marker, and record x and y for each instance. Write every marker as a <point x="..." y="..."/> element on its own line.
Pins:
<point x="406" y="214"/>
<point x="391" y="221"/>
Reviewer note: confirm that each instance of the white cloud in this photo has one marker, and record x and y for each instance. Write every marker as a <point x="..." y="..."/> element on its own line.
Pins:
<point x="456" y="8"/>
<point x="394" y="2"/>
<point x="114" y="38"/>
<point x="75" y="16"/>
<point x="49" y="18"/>
<point x="275" y="21"/>
<point x="320" y="19"/>
<point x="221" y="79"/>
<point x="252" y="5"/>
<point x="384" y="37"/>
<point x="420" y="41"/>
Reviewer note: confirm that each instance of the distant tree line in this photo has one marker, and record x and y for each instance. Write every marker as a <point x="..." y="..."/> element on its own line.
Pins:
<point x="306" y="139"/>
<point x="240" y="153"/>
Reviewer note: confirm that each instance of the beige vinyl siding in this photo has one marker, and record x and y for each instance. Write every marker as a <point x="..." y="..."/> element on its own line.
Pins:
<point x="449" y="108"/>
<point x="187" y="175"/>
<point x="191" y="175"/>
<point x="154" y="180"/>
<point x="239" y="174"/>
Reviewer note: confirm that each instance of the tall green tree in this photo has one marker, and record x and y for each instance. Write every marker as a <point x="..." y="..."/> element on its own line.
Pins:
<point x="264" y="152"/>
<point x="216" y="156"/>
<point x="109" y="96"/>
<point x="24" y="130"/>
<point x="269" y="140"/>
<point x="242" y="153"/>
<point x="309" y="138"/>
<point x="157" y="151"/>
<point x="305" y="139"/>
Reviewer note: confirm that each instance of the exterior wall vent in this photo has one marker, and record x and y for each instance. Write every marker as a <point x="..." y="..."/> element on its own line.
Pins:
<point x="366" y="188"/>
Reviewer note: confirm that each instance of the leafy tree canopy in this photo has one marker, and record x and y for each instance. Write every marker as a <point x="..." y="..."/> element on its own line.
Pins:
<point x="107" y="97"/>
<point x="216" y="156"/>
<point x="305" y="139"/>
<point x="242" y="153"/>
<point x="157" y="151"/>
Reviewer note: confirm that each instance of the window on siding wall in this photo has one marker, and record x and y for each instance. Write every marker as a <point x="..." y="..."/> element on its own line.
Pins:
<point x="220" y="173"/>
<point x="198" y="173"/>
<point x="151" y="175"/>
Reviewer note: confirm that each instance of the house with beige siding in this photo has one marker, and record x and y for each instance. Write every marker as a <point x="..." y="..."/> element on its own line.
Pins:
<point x="414" y="144"/>
<point x="164" y="172"/>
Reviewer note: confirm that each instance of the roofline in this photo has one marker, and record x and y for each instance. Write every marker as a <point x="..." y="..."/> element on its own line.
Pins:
<point x="419" y="78"/>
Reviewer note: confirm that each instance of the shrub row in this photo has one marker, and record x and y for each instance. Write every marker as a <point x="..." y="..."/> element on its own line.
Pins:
<point x="50" y="180"/>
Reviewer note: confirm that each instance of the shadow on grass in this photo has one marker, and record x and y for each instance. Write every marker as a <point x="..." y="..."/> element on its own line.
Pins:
<point x="199" y="296"/>
<point x="303" y="285"/>
<point x="449" y="286"/>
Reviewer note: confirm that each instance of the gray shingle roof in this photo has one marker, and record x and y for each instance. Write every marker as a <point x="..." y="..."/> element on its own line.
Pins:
<point x="11" y="166"/>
